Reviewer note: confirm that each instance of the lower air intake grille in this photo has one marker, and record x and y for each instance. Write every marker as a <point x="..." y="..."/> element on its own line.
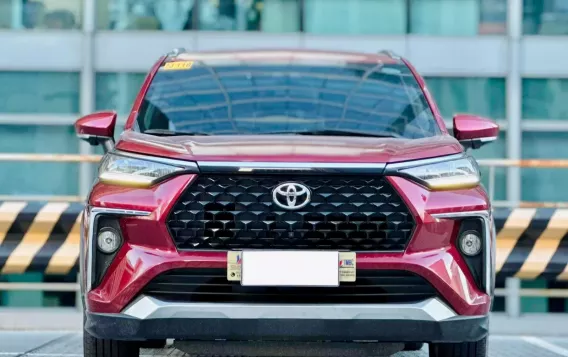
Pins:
<point x="211" y="285"/>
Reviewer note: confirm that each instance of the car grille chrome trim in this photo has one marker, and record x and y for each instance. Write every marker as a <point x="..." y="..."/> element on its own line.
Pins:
<point x="489" y="240"/>
<point x="90" y="251"/>
<point x="356" y="213"/>
<point x="146" y="308"/>
<point x="283" y="167"/>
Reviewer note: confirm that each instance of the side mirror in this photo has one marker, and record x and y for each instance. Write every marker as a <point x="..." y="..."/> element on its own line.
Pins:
<point x="473" y="131"/>
<point x="97" y="129"/>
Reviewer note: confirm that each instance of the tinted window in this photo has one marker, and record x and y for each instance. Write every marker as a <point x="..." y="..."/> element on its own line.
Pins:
<point x="39" y="92"/>
<point x="41" y="14"/>
<point x="356" y="16"/>
<point x="458" y="17"/>
<point x="258" y="98"/>
<point x="545" y="98"/>
<point x="481" y="96"/>
<point x="57" y="178"/>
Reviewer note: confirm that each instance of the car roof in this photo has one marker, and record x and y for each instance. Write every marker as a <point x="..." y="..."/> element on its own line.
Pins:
<point x="385" y="57"/>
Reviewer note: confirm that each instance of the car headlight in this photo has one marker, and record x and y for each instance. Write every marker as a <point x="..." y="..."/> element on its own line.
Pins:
<point x="128" y="171"/>
<point x="446" y="175"/>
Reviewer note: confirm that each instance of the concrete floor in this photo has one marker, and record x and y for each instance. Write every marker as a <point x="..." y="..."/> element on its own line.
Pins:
<point x="69" y="344"/>
<point x="57" y="333"/>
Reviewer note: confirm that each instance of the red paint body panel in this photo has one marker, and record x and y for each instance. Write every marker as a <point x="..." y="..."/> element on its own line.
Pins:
<point x="135" y="266"/>
<point x="289" y="148"/>
<point x="423" y="202"/>
<point x="150" y="251"/>
<point x="467" y="127"/>
<point x="97" y="124"/>
<point x="156" y="199"/>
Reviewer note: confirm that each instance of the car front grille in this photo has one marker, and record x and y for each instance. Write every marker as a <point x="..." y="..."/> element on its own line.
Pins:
<point x="211" y="285"/>
<point x="222" y="212"/>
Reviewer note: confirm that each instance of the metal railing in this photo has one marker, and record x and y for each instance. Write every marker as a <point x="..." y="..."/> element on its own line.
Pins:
<point x="493" y="164"/>
<point x="512" y="291"/>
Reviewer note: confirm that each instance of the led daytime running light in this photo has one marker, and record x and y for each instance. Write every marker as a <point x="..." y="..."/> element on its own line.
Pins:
<point x="447" y="175"/>
<point x="128" y="171"/>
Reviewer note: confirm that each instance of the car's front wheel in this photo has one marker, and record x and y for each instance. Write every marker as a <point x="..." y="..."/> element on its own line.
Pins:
<point x="465" y="349"/>
<point x="96" y="347"/>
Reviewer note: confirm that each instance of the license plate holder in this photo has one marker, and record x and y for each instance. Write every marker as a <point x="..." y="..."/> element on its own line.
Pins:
<point x="291" y="268"/>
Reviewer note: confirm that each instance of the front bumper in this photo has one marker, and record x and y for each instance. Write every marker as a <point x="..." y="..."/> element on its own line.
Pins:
<point x="149" y="250"/>
<point x="150" y="318"/>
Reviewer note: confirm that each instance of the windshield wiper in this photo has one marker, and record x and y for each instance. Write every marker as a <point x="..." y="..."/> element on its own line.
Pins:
<point x="337" y="132"/>
<point x="166" y="132"/>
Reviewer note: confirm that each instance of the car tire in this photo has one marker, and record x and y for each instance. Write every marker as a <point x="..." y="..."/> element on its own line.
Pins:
<point x="413" y="346"/>
<point x="465" y="349"/>
<point x="96" y="347"/>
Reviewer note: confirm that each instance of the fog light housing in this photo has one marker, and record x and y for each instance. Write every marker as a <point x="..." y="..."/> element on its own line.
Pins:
<point x="108" y="240"/>
<point x="470" y="243"/>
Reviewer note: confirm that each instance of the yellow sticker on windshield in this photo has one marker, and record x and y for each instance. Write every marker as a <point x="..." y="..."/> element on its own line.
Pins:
<point x="178" y="66"/>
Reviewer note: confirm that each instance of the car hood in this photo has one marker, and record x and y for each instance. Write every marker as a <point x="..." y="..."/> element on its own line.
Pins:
<point x="289" y="148"/>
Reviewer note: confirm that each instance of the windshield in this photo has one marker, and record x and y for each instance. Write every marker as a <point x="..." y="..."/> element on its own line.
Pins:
<point x="252" y="98"/>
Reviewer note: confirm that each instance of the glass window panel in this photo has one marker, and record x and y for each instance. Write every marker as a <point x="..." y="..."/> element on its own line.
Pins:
<point x="386" y="17"/>
<point x="494" y="150"/>
<point x="540" y="184"/>
<point x="545" y="17"/>
<point x="41" y="14"/>
<point x="545" y="98"/>
<point x="249" y="15"/>
<point x="39" y="92"/>
<point x="213" y="15"/>
<point x="260" y="99"/>
<point x="167" y="15"/>
<point x="37" y="178"/>
<point x="493" y="17"/>
<point x="117" y="91"/>
<point x="481" y="96"/>
<point x="458" y="17"/>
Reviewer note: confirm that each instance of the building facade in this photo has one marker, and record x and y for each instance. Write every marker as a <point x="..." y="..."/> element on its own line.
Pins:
<point x="504" y="59"/>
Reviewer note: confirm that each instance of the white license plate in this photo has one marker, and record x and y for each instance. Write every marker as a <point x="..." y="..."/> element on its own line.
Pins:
<point x="289" y="268"/>
<point x="347" y="265"/>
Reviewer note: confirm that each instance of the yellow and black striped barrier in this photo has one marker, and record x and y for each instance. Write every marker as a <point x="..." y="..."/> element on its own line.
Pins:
<point x="532" y="243"/>
<point x="44" y="237"/>
<point x="39" y="237"/>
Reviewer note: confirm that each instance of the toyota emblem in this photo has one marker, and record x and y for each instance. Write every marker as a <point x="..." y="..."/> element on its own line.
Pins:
<point x="291" y="195"/>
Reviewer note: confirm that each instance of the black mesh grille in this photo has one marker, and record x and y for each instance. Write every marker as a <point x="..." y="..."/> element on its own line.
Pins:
<point x="238" y="212"/>
<point x="211" y="285"/>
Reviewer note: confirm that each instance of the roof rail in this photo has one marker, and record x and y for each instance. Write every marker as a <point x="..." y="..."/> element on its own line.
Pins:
<point x="177" y="51"/>
<point x="389" y="53"/>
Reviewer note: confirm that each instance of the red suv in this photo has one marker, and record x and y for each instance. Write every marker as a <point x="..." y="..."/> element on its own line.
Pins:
<point x="269" y="202"/>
